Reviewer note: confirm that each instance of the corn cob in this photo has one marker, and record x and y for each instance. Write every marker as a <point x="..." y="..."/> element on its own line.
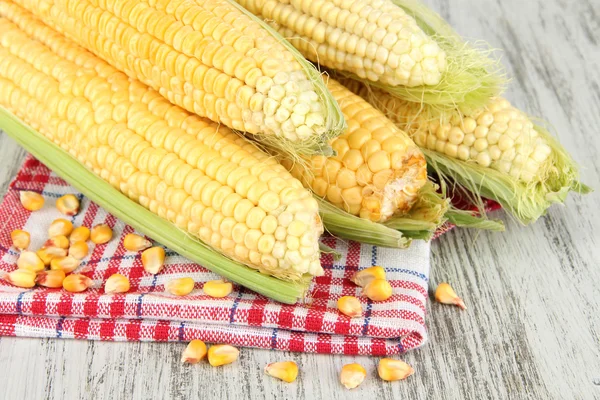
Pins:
<point x="211" y="58"/>
<point x="201" y="177"/>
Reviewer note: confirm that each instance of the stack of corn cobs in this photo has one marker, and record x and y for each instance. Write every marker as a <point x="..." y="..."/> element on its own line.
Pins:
<point x="206" y="125"/>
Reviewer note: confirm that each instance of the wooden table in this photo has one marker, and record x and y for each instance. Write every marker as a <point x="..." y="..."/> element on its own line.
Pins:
<point x="532" y="329"/>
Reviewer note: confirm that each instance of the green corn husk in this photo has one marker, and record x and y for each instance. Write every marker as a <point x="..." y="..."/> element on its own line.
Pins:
<point x="470" y="219"/>
<point x="161" y="230"/>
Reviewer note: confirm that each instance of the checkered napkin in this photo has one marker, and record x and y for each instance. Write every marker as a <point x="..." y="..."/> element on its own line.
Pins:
<point x="244" y="318"/>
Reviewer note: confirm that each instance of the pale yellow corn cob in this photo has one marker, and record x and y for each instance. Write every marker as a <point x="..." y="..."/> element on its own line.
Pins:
<point x="376" y="40"/>
<point x="378" y="170"/>
<point x="201" y="176"/>
<point x="205" y="56"/>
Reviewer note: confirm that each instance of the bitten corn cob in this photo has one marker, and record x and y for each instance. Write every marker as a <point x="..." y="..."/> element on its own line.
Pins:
<point x="210" y="57"/>
<point x="202" y="177"/>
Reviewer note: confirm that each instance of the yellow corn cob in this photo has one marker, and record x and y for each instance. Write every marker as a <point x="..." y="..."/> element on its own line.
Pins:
<point x="208" y="57"/>
<point x="193" y="172"/>
<point x="377" y="172"/>
<point x="376" y="40"/>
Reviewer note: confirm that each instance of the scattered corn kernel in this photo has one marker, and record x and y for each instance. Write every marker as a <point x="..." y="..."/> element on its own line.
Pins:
<point x="67" y="264"/>
<point x="59" y="241"/>
<point x="21" y="277"/>
<point x="287" y="371"/>
<point x="79" y="250"/>
<point x="47" y="254"/>
<point x="53" y="278"/>
<point x="30" y="261"/>
<point x="222" y="354"/>
<point x="76" y="283"/>
<point x="80" y="234"/>
<point x="394" y="370"/>
<point x="117" y="283"/>
<point x="446" y="295"/>
<point x="218" y="288"/>
<point x="20" y="239"/>
<point x="180" y="286"/>
<point x="60" y="226"/>
<point x="194" y="352"/>
<point x="350" y="306"/>
<point x="133" y="242"/>
<point x="31" y="201"/>
<point x="362" y="278"/>
<point x="101" y="234"/>
<point x="68" y="204"/>
<point x="378" y="290"/>
<point x="153" y="259"/>
<point x="352" y="375"/>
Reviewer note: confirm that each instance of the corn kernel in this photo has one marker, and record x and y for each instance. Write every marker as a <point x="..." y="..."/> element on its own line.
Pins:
<point x="117" y="283"/>
<point x="79" y="250"/>
<point x="59" y="227"/>
<point x="222" y="354"/>
<point x="31" y="201"/>
<point x="350" y="306"/>
<point x="67" y="264"/>
<point x="47" y="254"/>
<point x="446" y="295"/>
<point x="30" y="261"/>
<point x="352" y="375"/>
<point x="133" y="242"/>
<point x="153" y="259"/>
<point x="393" y="370"/>
<point x="23" y="278"/>
<point x="218" y="288"/>
<point x="76" y="283"/>
<point x="20" y="239"/>
<point x="80" y="234"/>
<point x="362" y="278"/>
<point x="378" y="290"/>
<point x="180" y="287"/>
<point x="287" y="371"/>
<point x="53" y="278"/>
<point x="194" y="352"/>
<point x="68" y="204"/>
<point x="101" y="234"/>
<point x="59" y="241"/>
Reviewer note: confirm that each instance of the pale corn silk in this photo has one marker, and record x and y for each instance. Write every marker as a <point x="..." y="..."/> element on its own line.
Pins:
<point x="244" y="318"/>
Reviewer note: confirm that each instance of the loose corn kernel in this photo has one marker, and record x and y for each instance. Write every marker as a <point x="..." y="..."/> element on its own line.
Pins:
<point x="47" y="254"/>
<point x="117" y="283"/>
<point x="20" y="239"/>
<point x="80" y="234"/>
<point x="133" y="242"/>
<point x="23" y="278"/>
<point x="68" y="204"/>
<point x="101" y="234"/>
<point x="394" y="370"/>
<point x="53" y="278"/>
<point x="378" y="290"/>
<point x="153" y="259"/>
<point x="446" y="295"/>
<point x="352" y="375"/>
<point x="350" y="306"/>
<point x="31" y="201"/>
<point x="59" y="241"/>
<point x="222" y="354"/>
<point x="30" y="261"/>
<point x="180" y="286"/>
<point x="76" y="283"/>
<point x="194" y="352"/>
<point x="364" y="277"/>
<point x="287" y="371"/>
<point x="218" y="288"/>
<point x="59" y="227"/>
<point x="79" y="250"/>
<point x="67" y="264"/>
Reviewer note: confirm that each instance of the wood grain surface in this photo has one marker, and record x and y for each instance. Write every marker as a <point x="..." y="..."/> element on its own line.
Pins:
<point x="532" y="328"/>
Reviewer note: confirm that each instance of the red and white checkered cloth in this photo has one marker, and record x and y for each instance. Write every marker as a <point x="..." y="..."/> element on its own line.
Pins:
<point x="244" y="318"/>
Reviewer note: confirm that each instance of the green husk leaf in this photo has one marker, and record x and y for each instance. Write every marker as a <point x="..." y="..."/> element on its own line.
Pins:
<point x="161" y="230"/>
<point x="469" y="219"/>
